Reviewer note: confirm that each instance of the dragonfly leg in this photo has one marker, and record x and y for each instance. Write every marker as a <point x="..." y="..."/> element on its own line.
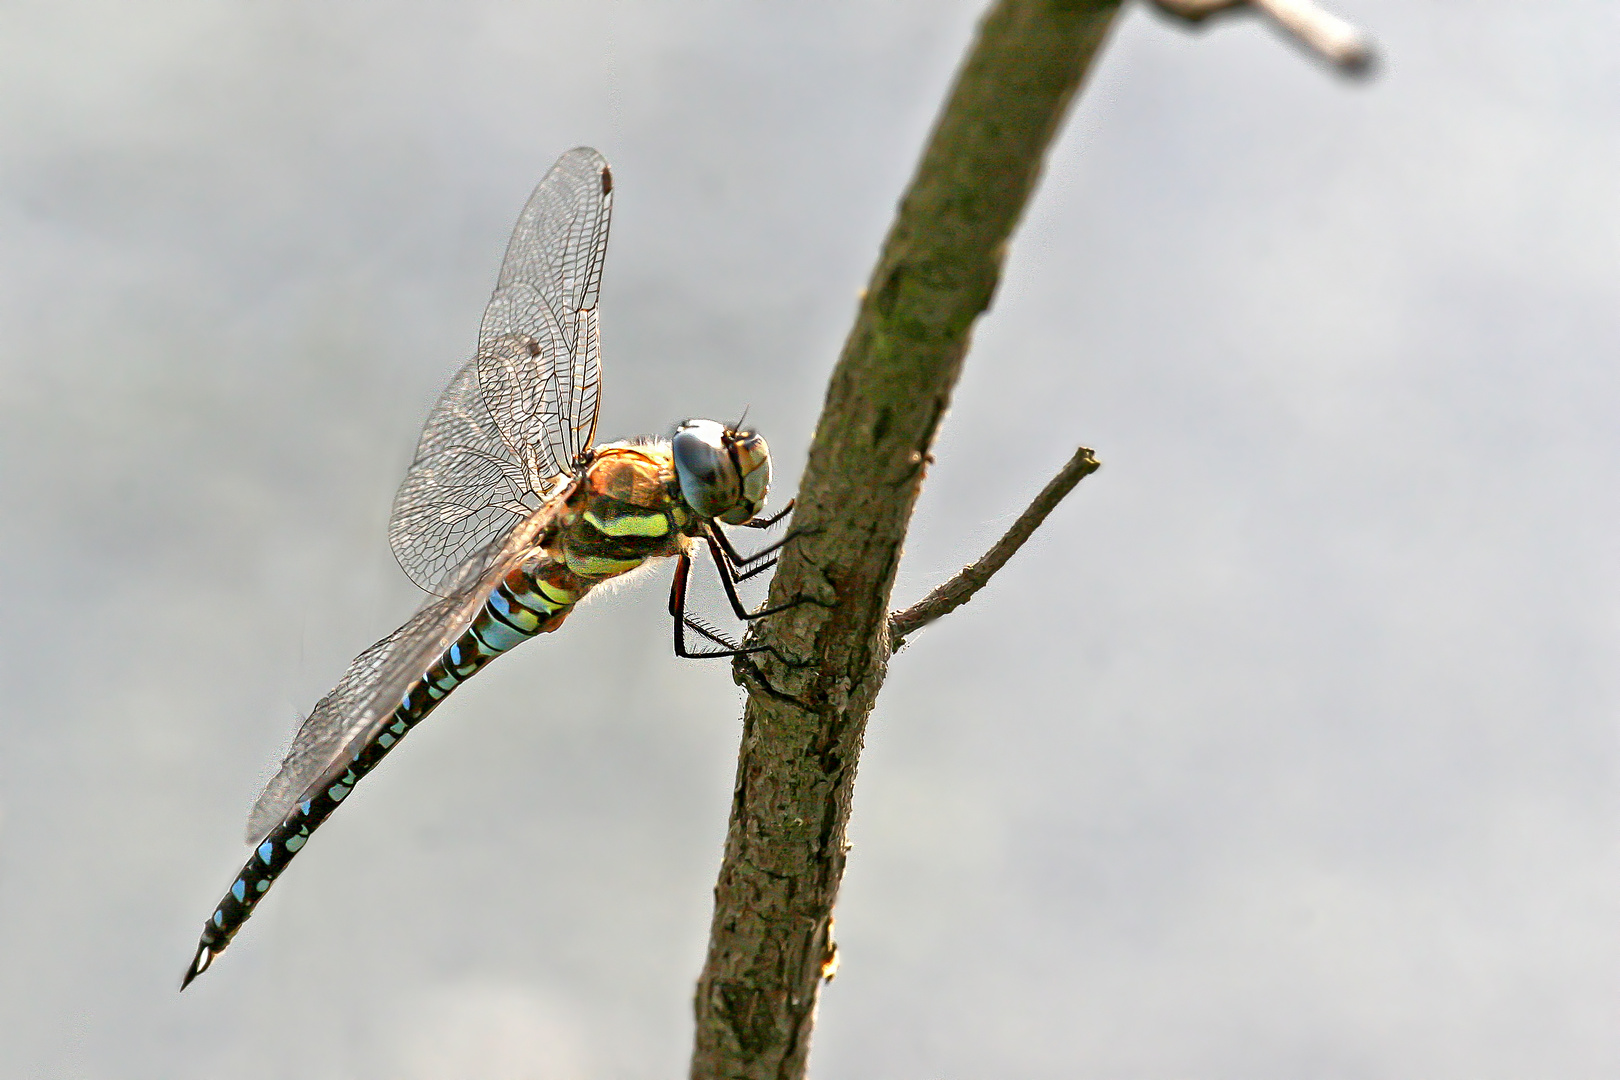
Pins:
<point x="729" y="578"/>
<point x="767" y="522"/>
<point x="728" y="646"/>
<point x="742" y="561"/>
<point x="757" y="570"/>
<point x="684" y="622"/>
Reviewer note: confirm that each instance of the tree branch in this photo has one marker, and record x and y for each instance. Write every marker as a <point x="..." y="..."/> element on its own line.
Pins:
<point x="810" y="697"/>
<point x="1327" y="35"/>
<point x="812" y="689"/>
<point x="960" y="589"/>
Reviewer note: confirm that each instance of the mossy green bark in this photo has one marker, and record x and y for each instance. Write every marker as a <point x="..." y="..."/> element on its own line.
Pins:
<point x="808" y="702"/>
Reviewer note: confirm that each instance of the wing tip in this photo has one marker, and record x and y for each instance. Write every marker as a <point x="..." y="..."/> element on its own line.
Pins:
<point x="591" y="153"/>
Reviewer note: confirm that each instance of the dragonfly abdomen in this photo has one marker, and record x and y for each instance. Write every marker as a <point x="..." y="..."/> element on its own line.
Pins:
<point x="532" y="599"/>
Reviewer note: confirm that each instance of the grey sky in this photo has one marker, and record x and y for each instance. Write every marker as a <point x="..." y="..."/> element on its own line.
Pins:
<point x="1287" y="749"/>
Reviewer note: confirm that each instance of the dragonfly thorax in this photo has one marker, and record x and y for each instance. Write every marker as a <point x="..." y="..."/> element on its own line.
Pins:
<point x="724" y="474"/>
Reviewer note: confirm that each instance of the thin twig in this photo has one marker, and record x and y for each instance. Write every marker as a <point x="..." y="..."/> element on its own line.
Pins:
<point x="1327" y="35"/>
<point x="960" y="589"/>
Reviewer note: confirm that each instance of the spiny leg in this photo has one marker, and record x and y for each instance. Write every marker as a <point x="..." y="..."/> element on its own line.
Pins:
<point x="732" y="647"/>
<point x="729" y="577"/>
<point x="677" y="611"/>
<point x="757" y="570"/>
<point x="736" y="562"/>
<point x="739" y="560"/>
<point x="767" y="522"/>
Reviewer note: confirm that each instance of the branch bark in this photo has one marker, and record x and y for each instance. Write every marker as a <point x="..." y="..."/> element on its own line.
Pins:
<point x="809" y="698"/>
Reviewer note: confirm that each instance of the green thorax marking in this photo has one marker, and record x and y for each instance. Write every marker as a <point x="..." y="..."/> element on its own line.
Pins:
<point x="649" y="523"/>
<point x="626" y="509"/>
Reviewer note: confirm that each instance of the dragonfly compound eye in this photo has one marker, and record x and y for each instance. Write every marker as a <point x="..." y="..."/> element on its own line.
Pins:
<point x="752" y="460"/>
<point x="709" y="481"/>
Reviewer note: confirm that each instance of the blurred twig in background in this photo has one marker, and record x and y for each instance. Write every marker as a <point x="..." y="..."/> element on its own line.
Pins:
<point x="1325" y="34"/>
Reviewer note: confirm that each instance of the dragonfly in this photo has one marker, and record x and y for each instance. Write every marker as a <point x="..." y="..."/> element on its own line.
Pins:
<point x="509" y="516"/>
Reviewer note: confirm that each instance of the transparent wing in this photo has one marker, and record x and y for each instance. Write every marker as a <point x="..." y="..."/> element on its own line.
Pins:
<point x="356" y="709"/>
<point x="517" y="415"/>
<point x="541" y="362"/>
<point x="465" y="487"/>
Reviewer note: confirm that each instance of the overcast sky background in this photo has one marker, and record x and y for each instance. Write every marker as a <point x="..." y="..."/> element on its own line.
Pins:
<point x="1286" y="749"/>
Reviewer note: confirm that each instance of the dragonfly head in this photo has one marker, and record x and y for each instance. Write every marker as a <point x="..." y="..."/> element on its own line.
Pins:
<point x="724" y="473"/>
